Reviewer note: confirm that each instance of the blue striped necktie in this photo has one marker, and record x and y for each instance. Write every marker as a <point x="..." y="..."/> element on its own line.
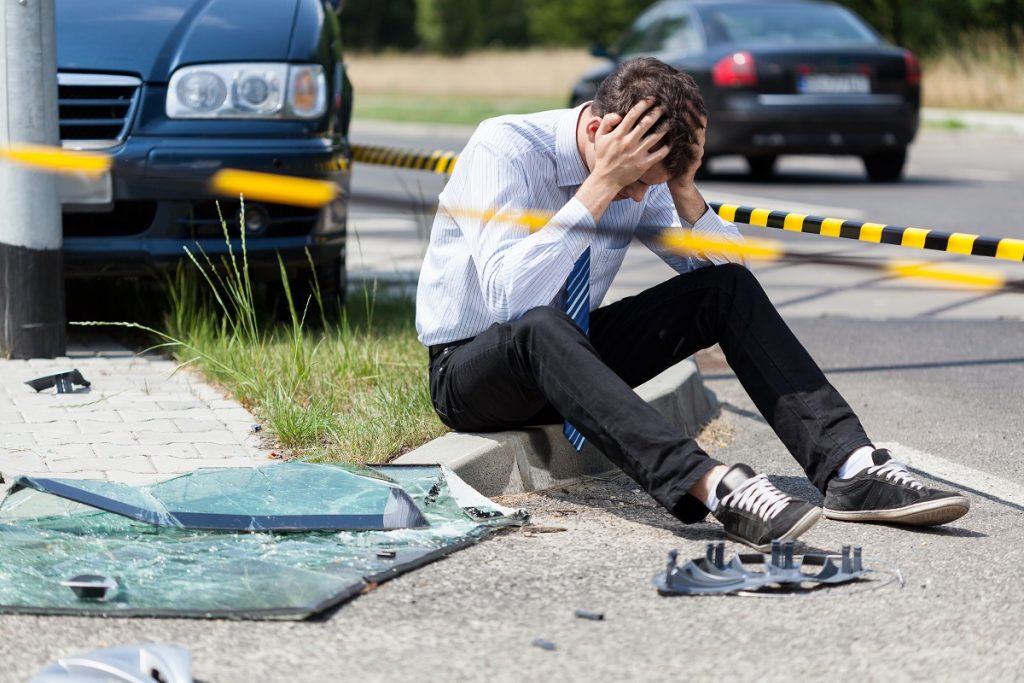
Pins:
<point x="577" y="306"/>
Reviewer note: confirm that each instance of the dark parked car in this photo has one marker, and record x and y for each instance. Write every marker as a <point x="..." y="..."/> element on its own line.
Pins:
<point x="196" y="85"/>
<point x="783" y="77"/>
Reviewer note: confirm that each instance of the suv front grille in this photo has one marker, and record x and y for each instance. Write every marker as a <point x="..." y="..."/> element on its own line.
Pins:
<point x="95" y="109"/>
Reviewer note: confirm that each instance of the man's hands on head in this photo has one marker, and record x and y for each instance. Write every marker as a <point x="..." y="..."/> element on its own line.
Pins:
<point x="690" y="205"/>
<point x="622" y="145"/>
<point x="621" y="154"/>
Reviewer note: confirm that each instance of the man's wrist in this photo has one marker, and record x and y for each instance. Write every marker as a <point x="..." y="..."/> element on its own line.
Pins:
<point x="596" y="193"/>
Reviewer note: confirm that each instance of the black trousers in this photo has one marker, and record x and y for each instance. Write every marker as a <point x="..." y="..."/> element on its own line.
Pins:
<point x="541" y="367"/>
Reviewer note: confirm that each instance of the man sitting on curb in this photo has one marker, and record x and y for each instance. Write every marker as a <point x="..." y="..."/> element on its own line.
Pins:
<point x="513" y="341"/>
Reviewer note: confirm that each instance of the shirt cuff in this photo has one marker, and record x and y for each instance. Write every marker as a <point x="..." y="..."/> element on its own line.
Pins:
<point x="572" y="226"/>
<point x="709" y="222"/>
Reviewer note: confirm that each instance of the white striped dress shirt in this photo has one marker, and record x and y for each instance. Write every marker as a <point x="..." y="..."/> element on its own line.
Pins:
<point x="481" y="269"/>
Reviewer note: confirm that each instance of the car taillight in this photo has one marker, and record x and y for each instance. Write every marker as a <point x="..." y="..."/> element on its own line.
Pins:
<point x="735" y="70"/>
<point x="913" y="68"/>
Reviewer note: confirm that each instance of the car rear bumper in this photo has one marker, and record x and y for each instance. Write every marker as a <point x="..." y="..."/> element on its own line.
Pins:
<point x="151" y="218"/>
<point x="752" y="124"/>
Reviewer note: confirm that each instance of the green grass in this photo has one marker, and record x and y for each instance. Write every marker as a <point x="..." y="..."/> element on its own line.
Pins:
<point x="949" y="124"/>
<point x="354" y="390"/>
<point x="462" y="110"/>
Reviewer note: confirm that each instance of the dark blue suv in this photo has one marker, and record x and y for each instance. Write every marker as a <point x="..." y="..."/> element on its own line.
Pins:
<point x="196" y="85"/>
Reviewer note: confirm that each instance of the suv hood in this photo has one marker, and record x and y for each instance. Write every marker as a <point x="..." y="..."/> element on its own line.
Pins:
<point x="151" y="38"/>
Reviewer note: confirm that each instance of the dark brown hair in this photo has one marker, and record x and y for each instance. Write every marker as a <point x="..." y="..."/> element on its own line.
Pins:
<point x="672" y="89"/>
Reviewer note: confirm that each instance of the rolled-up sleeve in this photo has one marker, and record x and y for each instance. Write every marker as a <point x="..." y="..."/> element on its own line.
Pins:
<point x="660" y="217"/>
<point x="516" y="268"/>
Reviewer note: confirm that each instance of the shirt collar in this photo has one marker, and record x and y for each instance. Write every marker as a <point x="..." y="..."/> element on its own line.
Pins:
<point x="571" y="169"/>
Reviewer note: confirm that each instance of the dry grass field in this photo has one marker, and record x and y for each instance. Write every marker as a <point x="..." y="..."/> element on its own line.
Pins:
<point x="986" y="76"/>
<point x="491" y="73"/>
<point x="423" y="87"/>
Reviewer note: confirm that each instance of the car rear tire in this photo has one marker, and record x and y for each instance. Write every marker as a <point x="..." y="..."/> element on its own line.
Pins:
<point x="762" y="167"/>
<point x="885" y="167"/>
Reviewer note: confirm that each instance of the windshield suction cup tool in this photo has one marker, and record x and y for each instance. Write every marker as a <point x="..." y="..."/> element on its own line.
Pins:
<point x="64" y="381"/>
<point x="149" y="663"/>
<point x="710" y="574"/>
<point x="93" y="587"/>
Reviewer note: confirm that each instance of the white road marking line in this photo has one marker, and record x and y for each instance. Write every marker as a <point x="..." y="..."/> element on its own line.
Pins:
<point x="927" y="463"/>
<point x="784" y="205"/>
<point x="982" y="174"/>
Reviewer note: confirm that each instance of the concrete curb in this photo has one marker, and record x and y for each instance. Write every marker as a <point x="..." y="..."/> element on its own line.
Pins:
<point x="537" y="458"/>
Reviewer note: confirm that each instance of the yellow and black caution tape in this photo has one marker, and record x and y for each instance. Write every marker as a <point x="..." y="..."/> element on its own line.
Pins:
<point x="759" y="249"/>
<point x="299" y="191"/>
<point x="228" y="182"/>
<point x="921" y="238"/>
<point x="918" y="238"/>
<point x="438" y="161"/>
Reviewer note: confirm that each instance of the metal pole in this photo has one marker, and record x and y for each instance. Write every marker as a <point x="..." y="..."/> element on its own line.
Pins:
<point x="31" y="258"/>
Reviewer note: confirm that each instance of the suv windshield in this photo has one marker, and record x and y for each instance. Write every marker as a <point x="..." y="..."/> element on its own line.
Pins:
<point x="783" y="24"/>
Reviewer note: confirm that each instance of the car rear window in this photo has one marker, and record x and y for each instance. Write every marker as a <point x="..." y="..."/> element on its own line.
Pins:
<point x="661" y="29"/>
<point x="784" y="24"/>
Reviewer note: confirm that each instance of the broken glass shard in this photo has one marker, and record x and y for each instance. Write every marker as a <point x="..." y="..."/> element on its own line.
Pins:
<point x="303" y="497"/>
<point x="286" y="540"/>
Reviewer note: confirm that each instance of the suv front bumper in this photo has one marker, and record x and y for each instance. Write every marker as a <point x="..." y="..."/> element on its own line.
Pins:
<point x="150" y="218"/>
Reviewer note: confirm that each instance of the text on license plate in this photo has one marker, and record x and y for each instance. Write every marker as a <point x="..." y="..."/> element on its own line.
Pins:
<point x="834" y="83"/>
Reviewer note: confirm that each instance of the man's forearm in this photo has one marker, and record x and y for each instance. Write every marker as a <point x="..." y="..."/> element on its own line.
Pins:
<point x="690" y="205"/>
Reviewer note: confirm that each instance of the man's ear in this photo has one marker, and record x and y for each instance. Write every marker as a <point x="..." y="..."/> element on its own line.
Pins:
<point x="592" y="127"/>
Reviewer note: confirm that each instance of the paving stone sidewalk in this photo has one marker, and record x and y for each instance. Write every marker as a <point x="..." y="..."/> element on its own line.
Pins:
<point x="140" y="421"/>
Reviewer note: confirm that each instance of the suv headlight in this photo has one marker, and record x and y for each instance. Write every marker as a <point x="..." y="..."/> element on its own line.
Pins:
<point x="258" y="90"/>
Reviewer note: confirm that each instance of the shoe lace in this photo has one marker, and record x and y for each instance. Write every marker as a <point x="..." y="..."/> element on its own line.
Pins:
<point x="758" y="496"/>
<point x="896" y="472"/>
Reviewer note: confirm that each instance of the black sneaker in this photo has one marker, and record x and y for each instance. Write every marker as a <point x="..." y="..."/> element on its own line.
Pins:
<point x="888" y="492"/>
<point x="754" y="512"/>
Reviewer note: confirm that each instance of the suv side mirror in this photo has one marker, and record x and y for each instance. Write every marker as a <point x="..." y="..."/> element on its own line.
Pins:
<point x="600" y="50"/>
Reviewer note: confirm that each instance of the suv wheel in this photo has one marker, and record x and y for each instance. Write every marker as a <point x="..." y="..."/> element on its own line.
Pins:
<point x="762" y="167"/>
<point x="885" y="167"/>
<point x="332" y="279"/>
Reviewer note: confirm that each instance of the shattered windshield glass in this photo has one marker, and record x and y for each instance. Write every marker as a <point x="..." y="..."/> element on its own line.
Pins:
<point x="55" y="534"/>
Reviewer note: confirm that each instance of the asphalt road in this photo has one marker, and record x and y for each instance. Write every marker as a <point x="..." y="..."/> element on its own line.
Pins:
<point x="938" y="378"/>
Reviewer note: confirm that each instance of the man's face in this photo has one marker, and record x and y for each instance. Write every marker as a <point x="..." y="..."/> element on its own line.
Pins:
<point x="656" y="175"/>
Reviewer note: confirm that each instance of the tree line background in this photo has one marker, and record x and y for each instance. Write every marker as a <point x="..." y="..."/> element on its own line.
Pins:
<point x="457" y="26"/>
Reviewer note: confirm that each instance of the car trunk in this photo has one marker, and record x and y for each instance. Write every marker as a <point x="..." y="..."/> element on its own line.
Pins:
<point x="830" y="71"/>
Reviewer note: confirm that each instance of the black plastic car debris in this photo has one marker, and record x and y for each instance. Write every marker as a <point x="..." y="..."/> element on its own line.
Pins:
<point x="64" y="381"/>
<point x="592" y="616"/>
<point x="711" y="574"/>
<point x="92" y="586"/>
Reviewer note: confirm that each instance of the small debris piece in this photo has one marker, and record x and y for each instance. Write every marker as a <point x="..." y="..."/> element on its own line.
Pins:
<point x="255" y="427"/>
<point x="387" y="554"/>
<point x="544" y="644"/>
<point x="534" y="530"/>
<point x="92" y="586"/>
<point x="126" y="663"/>
<point x="593" y="616"/>
<point x="64" y="381"/>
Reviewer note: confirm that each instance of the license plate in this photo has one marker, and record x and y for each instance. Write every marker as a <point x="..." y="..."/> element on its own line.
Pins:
<point x="86" y="188"/>
<point x="833" y="83"/>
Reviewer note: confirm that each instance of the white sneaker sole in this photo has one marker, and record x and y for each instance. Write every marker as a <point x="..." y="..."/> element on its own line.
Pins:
<point x="927" y="513"/>
<point x="791" y="534"/>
